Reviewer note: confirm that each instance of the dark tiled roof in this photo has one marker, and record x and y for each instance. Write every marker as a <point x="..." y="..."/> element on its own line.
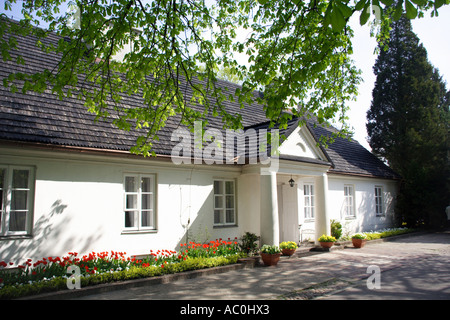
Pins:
<point x="44" y="118"/>
<point x="349" y="157"/>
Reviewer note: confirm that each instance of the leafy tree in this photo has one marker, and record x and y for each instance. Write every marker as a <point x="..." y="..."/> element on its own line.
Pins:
<point x="298" y="53"/>
<point x="408" y="125"/>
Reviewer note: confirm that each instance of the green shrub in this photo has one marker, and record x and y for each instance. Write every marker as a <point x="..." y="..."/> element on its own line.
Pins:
<point x="249" y="243"/>
<point x="134" y="272"/>
<point x="336" y="229"/>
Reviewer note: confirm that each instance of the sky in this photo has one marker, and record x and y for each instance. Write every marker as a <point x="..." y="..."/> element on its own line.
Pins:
<point x="434" y="33"/>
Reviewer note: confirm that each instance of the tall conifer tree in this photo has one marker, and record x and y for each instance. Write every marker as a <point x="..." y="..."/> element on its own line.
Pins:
<point x="408" y="126"/>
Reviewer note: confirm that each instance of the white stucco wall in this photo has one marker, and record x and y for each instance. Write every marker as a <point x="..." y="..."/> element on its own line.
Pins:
<point x="365" y="218"/>
<point x="300" y="143"/>
<point x="79" y="205"/>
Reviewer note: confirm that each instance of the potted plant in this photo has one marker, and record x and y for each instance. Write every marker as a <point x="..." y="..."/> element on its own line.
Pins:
<point x="359" y="240"/>
<point x="249" y="243"/>
<point x="326" y="241"/>
<point x="288" y="248"/>
<point x="270" y="255"/>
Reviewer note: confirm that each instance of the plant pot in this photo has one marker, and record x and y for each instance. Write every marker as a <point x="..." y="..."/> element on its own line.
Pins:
<point x="359" y="243"/>
<point x="288" y="252"/>
<point x="326" y="244"/>
<point x="270" y="259"/>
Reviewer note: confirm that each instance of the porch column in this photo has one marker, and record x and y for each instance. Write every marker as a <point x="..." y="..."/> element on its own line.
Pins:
<point x="322" y="220"/>
<point x="269" y="209"/>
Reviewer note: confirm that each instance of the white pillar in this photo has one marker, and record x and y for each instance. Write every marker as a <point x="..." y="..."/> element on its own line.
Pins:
<point x="322" y="221"/>
<point x="269" y="209"/>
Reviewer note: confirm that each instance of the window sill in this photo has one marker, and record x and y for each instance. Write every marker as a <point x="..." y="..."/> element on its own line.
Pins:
<point x="16" y="237"/>
<point x="219" y="226"/>
<point x="139" y="231"/>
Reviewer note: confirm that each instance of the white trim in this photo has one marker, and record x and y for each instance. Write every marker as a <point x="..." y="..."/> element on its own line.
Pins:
<point x="379" y="201"/>
<point x="7" y="194"/>
<point x="137" y="208"/>
<point x="309" y="215"/>
<point x="349" y="206"/>
<point x="223" y="209"/>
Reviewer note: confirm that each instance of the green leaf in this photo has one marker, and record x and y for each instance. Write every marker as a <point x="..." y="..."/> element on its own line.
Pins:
<point x="337" y="20"/>
<point x="438" y="3"/>
<point x="420" y="2"/>
<point x="360" y="5"/>
<point x="364" y="17"/>
<point x="411" y="11"/>
<point x="346" y="11"/>
<point x="387" y="2"/>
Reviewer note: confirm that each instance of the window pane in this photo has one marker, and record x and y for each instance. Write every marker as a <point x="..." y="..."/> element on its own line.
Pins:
<point x="147" y="201"/>
<point x="2" y="178"/>
<point x="17" y="221"/>
<point x="229" y="202"/>
<point x="19" y="200"/>
<point x="130" y="219"/>
<point x="147" y="185"/>
<point x="229" y="216"/>
<point x="131" y="201"/>
<point x="130" y="184"/>
<point x="218" y="187"/>
<point x="218" y="201"/>
<point x="146" y="219"/>
<point x="20" y="179"/>
<point x="229" y="187"/>
<point x="307" y="212"/>
<point x="218" y="216"/>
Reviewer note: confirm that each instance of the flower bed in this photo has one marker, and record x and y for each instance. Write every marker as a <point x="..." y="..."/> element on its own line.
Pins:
<point x="50" y="274"/>
<point x="384" y="233"/>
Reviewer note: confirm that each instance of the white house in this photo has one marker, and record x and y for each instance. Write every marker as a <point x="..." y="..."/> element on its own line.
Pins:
<point x="69" y="184"/>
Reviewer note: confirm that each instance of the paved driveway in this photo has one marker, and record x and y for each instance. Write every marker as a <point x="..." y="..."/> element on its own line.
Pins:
<point x="413" y="267"/>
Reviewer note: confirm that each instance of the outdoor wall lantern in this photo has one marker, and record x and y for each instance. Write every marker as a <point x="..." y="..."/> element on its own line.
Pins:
<point x="291" y="182"/>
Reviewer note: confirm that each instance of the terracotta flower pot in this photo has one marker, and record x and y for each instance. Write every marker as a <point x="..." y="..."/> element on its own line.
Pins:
<point x="326" y="244"/>
<point x="270" y="259"/>
<point x="288" y="252"/>
<point x="359" y="243"/>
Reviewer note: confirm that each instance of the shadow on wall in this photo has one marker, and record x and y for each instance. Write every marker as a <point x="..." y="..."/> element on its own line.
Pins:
<point x="49" y="226"/>
<point x="198" y="223"/>
<point x="365" y="218"/>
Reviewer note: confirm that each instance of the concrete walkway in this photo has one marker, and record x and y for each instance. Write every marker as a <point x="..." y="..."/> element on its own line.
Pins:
<point x="411" y="267"/>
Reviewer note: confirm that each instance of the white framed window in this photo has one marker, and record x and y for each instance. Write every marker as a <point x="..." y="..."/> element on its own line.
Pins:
<point x="379" y="201"/>
<point x="16" y="200"/>
<point x="308" y="200"/>
<point x="139" y="202"/>
<point x="349" y="201"/>
<point x="224" y="202"/>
